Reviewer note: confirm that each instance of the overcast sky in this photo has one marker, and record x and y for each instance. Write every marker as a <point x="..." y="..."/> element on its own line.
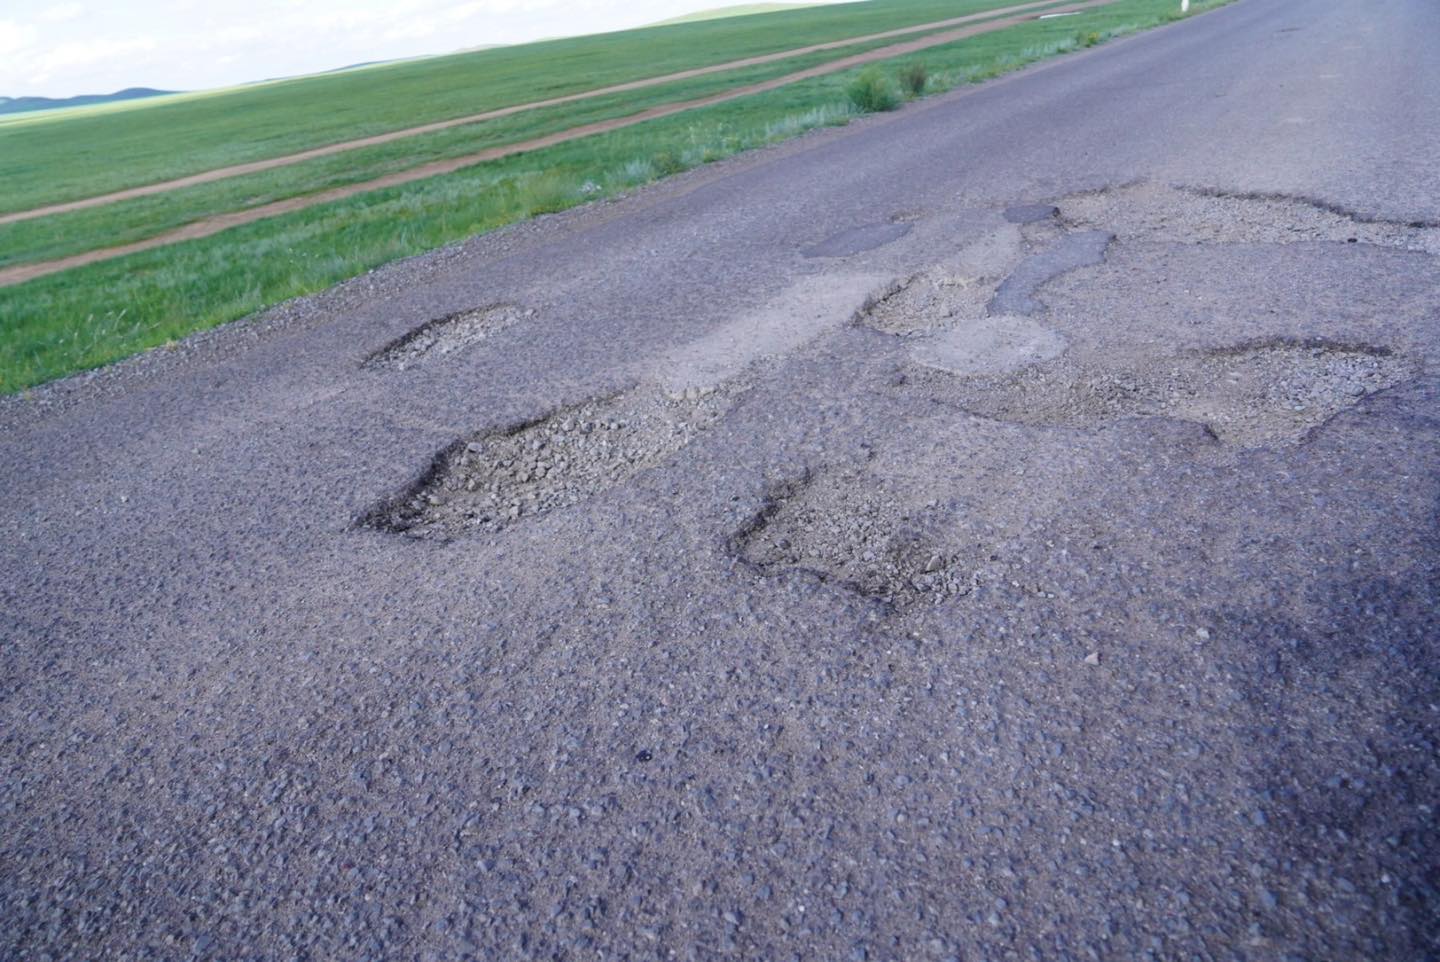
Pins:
<point x="60" y="48"/>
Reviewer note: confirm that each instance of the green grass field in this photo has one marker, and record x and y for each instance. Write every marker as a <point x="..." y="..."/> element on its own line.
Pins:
<point x="96" y="314"/>
<point x="53" y="158"/>
<point x="76" y="231"/>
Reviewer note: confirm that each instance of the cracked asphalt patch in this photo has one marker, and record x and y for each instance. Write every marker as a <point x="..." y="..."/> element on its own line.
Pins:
<point x="1249" y="395"/>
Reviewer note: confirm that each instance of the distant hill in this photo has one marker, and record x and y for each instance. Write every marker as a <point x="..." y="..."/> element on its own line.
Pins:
<point x="18" y="105"/>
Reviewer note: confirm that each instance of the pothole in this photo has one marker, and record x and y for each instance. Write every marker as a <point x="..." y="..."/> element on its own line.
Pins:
<point x="930" y="301"/>
<point x="1196" y="216"/>
<point x="488" y="481"/>
<point x="1246" y="395"/>
<point x="847" y="528"/>
<point x="445" y="335"/>
<point x="992" y="276"/>
<point x="991" y="345"/>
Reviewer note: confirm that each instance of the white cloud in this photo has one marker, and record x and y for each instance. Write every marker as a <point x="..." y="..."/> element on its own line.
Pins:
<point x="73" y="47"/>
<point x="84" y="53"/>
<point x="15" y="37"/>
<point x="61" y="12"/>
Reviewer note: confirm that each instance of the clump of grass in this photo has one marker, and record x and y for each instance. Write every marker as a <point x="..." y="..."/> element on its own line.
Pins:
<point x="547" y="193"/>
<point x="913" y="78"/>
<point x="638" y="171"/>
<point x="828" y="115"/>
<point x="1090" y="39"/>
<point x="668" y="162"/>
<point x="872" y="91"/>
<point x="1041" y="51"/>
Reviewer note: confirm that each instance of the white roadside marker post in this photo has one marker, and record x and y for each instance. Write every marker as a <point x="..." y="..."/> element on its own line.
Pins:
<point x="1184" y="6"/>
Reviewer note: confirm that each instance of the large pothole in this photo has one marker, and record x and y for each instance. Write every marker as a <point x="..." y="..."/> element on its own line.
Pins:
<point x="989" y="346"/>
<point x="929" y="301"/>
<point x="848" y="528"/>
<point x="1248" y="395"/>
<point x="446" y="335"/>
<point x="488" y="481"/>
<point x="1197" y="216"/>
<point x="956" y="290"/>
<point x="992" y="277"/>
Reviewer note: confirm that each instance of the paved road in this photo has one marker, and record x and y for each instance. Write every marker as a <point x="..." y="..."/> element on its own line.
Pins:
<point x="836" y="553"/>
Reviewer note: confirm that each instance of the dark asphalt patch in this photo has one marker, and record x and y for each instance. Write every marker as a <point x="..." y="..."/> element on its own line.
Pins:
<point x="857" y="240"/>
<point x="1080" y="249"/>
<point x="1031" y="213"/>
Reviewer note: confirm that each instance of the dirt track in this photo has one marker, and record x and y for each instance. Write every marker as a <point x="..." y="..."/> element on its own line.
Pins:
<point x="271" y="163"/>
<point x="214" y="225"/>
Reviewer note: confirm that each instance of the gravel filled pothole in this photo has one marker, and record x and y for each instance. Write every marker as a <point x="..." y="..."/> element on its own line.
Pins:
<point x="929" y="301"/>
<point x="446" y="335"/>
<point x="847" y="528"/>
<point x="488" y="481"/>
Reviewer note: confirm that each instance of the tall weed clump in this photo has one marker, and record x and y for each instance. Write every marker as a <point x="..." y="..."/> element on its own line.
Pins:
<point x="872" y="91"/>
<point x="913" y="78"/>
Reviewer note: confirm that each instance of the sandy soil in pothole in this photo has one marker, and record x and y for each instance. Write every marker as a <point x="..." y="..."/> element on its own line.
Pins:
<point x="930" y="301"/>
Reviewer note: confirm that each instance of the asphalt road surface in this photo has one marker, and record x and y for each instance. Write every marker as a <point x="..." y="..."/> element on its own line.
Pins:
<point x="1004" y="529"/>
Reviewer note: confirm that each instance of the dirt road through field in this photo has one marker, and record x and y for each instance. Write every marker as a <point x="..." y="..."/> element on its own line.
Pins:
<point x="214" y="225"/>
<point x="272" y="163"/>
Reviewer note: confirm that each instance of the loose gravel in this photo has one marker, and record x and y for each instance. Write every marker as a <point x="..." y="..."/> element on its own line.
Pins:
<point x="488" y="481"/>
<point x="848" y="529"/>
<point x="930" y="301"/>
<point x="447" y="335"/>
